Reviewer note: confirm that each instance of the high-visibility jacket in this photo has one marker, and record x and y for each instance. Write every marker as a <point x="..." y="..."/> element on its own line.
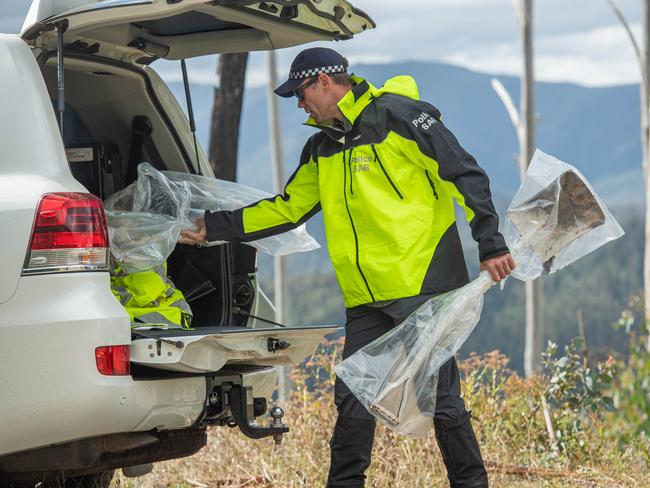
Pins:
<point x="150" y="297"/>
<point x="385" y="180"/>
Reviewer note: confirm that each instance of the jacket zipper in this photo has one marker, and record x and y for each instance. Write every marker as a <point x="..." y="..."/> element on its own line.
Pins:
<point x="349" y="168"/>
<point x="372" y="146"/>
<point x="354" y="230"/>
<point x="433" y="187"/>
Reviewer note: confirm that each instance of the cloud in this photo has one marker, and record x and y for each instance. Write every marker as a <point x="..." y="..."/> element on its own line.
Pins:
<point x="11" y="24"/>
<point x="575" y="40"/>
<point x="596" y="57"/>
<point x="12" y="14"/>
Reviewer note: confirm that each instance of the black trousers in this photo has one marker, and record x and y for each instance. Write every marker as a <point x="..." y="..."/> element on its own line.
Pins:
<point x="352" y="440"/>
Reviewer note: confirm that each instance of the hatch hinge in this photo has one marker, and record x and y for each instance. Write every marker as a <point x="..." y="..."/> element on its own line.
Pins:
<point x="274" y="345"/>
<point x="150" y="48"/>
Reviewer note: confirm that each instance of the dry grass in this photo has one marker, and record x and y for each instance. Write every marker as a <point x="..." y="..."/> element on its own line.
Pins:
<point x="508" y="420"/>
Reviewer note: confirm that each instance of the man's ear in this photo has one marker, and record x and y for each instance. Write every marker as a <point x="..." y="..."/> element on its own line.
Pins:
<point x="324" y="80"/>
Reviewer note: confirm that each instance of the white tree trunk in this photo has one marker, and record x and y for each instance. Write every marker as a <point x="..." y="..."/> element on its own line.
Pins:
<point x="644" y="58"/>
<point x="526" y="132"/>
<point x="279" y="262"/>
<point x="524" y="123"/>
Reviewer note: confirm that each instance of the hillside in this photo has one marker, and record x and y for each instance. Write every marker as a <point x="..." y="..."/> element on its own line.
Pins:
<point x="595" y="129"/>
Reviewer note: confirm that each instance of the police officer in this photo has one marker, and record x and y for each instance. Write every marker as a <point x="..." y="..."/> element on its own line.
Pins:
<point x="385" y="172"/>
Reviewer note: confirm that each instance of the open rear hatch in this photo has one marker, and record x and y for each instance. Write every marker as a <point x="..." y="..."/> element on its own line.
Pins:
<point x="207" y="350"/>
<point x="140" y="31"/>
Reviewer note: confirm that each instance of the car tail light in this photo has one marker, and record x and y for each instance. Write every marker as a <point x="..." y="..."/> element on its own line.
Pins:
<point x="113" y="360"/>
<point x="69" y="234"/>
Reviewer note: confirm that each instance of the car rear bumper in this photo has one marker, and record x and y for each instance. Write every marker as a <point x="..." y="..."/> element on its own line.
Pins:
<point x="52" y="391"/>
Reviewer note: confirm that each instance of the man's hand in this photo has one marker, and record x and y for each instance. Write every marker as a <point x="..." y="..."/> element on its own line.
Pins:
<point x="499" y="267"/>
<point x="195" y="237"/>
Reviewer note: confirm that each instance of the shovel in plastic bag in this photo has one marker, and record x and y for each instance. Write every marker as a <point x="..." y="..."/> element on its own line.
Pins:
<point x="554" y="219"/>
<point x="556" y="216"/>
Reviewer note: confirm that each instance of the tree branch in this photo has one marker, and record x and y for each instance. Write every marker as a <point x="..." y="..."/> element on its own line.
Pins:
<point x="506" y="99"/>
<point x="630" y="34"/>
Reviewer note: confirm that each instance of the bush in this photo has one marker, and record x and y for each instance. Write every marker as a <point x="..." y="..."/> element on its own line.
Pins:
<point x="631" y="386"/>
<point x="598" y="417"/>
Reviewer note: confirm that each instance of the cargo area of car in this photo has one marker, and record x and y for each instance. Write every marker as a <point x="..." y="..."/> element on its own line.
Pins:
<point x="112" y="113"/>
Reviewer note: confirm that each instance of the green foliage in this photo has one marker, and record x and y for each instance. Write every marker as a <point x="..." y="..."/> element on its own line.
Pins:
<point x="577" y="395"/>
<point x="573" y="384"/>
<point x="506" y="407"/>
<point x="612" y="398"/>
<point x="631" y="387"/>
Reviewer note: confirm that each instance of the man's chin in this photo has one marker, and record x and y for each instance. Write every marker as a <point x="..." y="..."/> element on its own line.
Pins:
<point x="319" y="120"/>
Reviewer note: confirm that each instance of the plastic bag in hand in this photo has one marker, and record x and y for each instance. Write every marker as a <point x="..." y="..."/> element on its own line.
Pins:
<point x="145" y="218"/>
<point x="214" y="194"/>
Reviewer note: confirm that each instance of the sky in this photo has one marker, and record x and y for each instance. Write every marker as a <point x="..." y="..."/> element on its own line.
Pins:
<point x="579" y="41"/>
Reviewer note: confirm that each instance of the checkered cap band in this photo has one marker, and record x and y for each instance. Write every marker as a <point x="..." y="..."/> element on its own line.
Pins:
<point x="306" y="73"/>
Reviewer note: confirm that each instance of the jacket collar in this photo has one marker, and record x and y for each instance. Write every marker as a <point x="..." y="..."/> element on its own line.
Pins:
<point x="351" y="106"/>
<point x="354" y="101"/>
<point x="362" y="94"/>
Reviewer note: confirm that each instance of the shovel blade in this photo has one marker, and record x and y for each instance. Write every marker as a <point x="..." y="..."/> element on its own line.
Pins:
<point x="557" y="215"/>
<point x="390" y="402"/>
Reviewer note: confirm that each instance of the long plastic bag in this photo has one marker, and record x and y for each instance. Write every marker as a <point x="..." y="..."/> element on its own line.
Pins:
<point x="554" y="219"/>
<point x="214" y="194"/>
<point x="145" y="219"/>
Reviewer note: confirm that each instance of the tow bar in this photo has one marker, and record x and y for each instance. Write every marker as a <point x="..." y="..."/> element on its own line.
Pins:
<point x="242" y="407"/>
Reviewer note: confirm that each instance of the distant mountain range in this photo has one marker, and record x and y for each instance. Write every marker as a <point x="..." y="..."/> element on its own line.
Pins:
<point x="595" y="129"/>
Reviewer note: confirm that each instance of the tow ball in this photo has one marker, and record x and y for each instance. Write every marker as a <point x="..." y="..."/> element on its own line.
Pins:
<point x="276" y="414"/>
<point x="242" y="408"/>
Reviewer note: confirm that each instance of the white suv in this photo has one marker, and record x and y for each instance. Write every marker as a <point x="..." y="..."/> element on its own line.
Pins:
<point x="83" y="394"/>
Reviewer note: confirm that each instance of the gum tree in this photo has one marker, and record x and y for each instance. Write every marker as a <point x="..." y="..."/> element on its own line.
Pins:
<point x="524" y="122"/>
<point x="226" y="115"/>
<point x="642" y="50"/>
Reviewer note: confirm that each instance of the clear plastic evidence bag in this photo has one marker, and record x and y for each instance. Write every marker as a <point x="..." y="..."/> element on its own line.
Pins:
<point x="145" y="218"/>
<point x="554" y="219"/>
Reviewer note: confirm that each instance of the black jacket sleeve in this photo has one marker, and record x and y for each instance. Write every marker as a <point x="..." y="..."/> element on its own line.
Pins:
<point x="440" y="153"/>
